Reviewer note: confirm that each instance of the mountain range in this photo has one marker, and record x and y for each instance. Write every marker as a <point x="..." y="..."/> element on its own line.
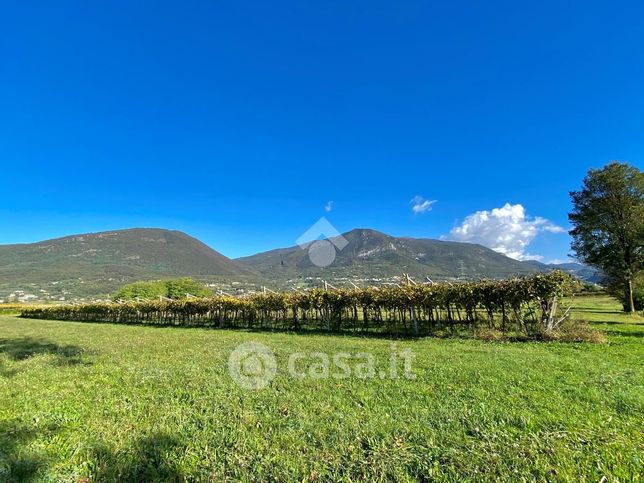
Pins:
<point x="370" y="254"/>
<point x="95" y="264"/>
<point x="98" y="263"/>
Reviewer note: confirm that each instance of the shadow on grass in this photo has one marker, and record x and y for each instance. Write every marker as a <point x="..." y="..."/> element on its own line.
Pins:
<point x="24" y="348"/>
<point x="598" y="310"/>
<point x="17" y="464"/>
<point x="383" y="333"/>
<point x="439" y="330"/>
<point x="151" y="458"/>
<point x="625" y="333"/>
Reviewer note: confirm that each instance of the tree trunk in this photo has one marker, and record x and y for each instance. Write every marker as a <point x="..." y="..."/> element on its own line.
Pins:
<point x="629" y="295"/>
<point x="552" y="314"/>
<point x="414" y="321"/>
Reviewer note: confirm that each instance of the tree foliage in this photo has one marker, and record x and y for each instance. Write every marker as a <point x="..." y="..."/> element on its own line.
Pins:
<point x="608" y="224"/>
<point x="172" y="289"/>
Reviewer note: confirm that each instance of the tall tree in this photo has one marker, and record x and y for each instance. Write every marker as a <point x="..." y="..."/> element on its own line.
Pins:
<point x="608" y="224"/>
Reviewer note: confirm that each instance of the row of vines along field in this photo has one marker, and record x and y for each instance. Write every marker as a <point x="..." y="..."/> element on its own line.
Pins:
<point x="11" y="308"/>
<point x="520" y="305"/>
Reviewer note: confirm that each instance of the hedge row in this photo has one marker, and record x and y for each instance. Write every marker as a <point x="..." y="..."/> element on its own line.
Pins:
<point x="520" y="304"/>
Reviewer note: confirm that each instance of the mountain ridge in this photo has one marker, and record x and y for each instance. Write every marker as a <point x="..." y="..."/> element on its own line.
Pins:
<point x="372" y="254"/>
<point x="93" y="264"/>
<point x="98" y="263"/>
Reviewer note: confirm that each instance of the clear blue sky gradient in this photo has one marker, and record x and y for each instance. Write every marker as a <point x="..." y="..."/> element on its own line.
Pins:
<point x="237" y="121"/>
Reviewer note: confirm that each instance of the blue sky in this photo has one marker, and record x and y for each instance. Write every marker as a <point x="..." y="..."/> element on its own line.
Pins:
<point x="238" y="122"/>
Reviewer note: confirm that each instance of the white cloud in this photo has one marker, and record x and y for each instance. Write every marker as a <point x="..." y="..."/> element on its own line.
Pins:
<point x="421" y="205"/>
<point x="329" y="206"/>
<point x="506" y="230"/>
<point x="530" y="257"/>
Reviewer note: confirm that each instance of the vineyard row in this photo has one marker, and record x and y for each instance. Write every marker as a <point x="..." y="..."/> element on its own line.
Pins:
<point x="525" y="305"/>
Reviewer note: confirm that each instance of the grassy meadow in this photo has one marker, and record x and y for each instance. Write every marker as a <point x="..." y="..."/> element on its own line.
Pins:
<point x="101" y="402"/>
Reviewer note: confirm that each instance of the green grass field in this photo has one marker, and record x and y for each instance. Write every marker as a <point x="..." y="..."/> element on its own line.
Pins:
<point x="105" y="402"/>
